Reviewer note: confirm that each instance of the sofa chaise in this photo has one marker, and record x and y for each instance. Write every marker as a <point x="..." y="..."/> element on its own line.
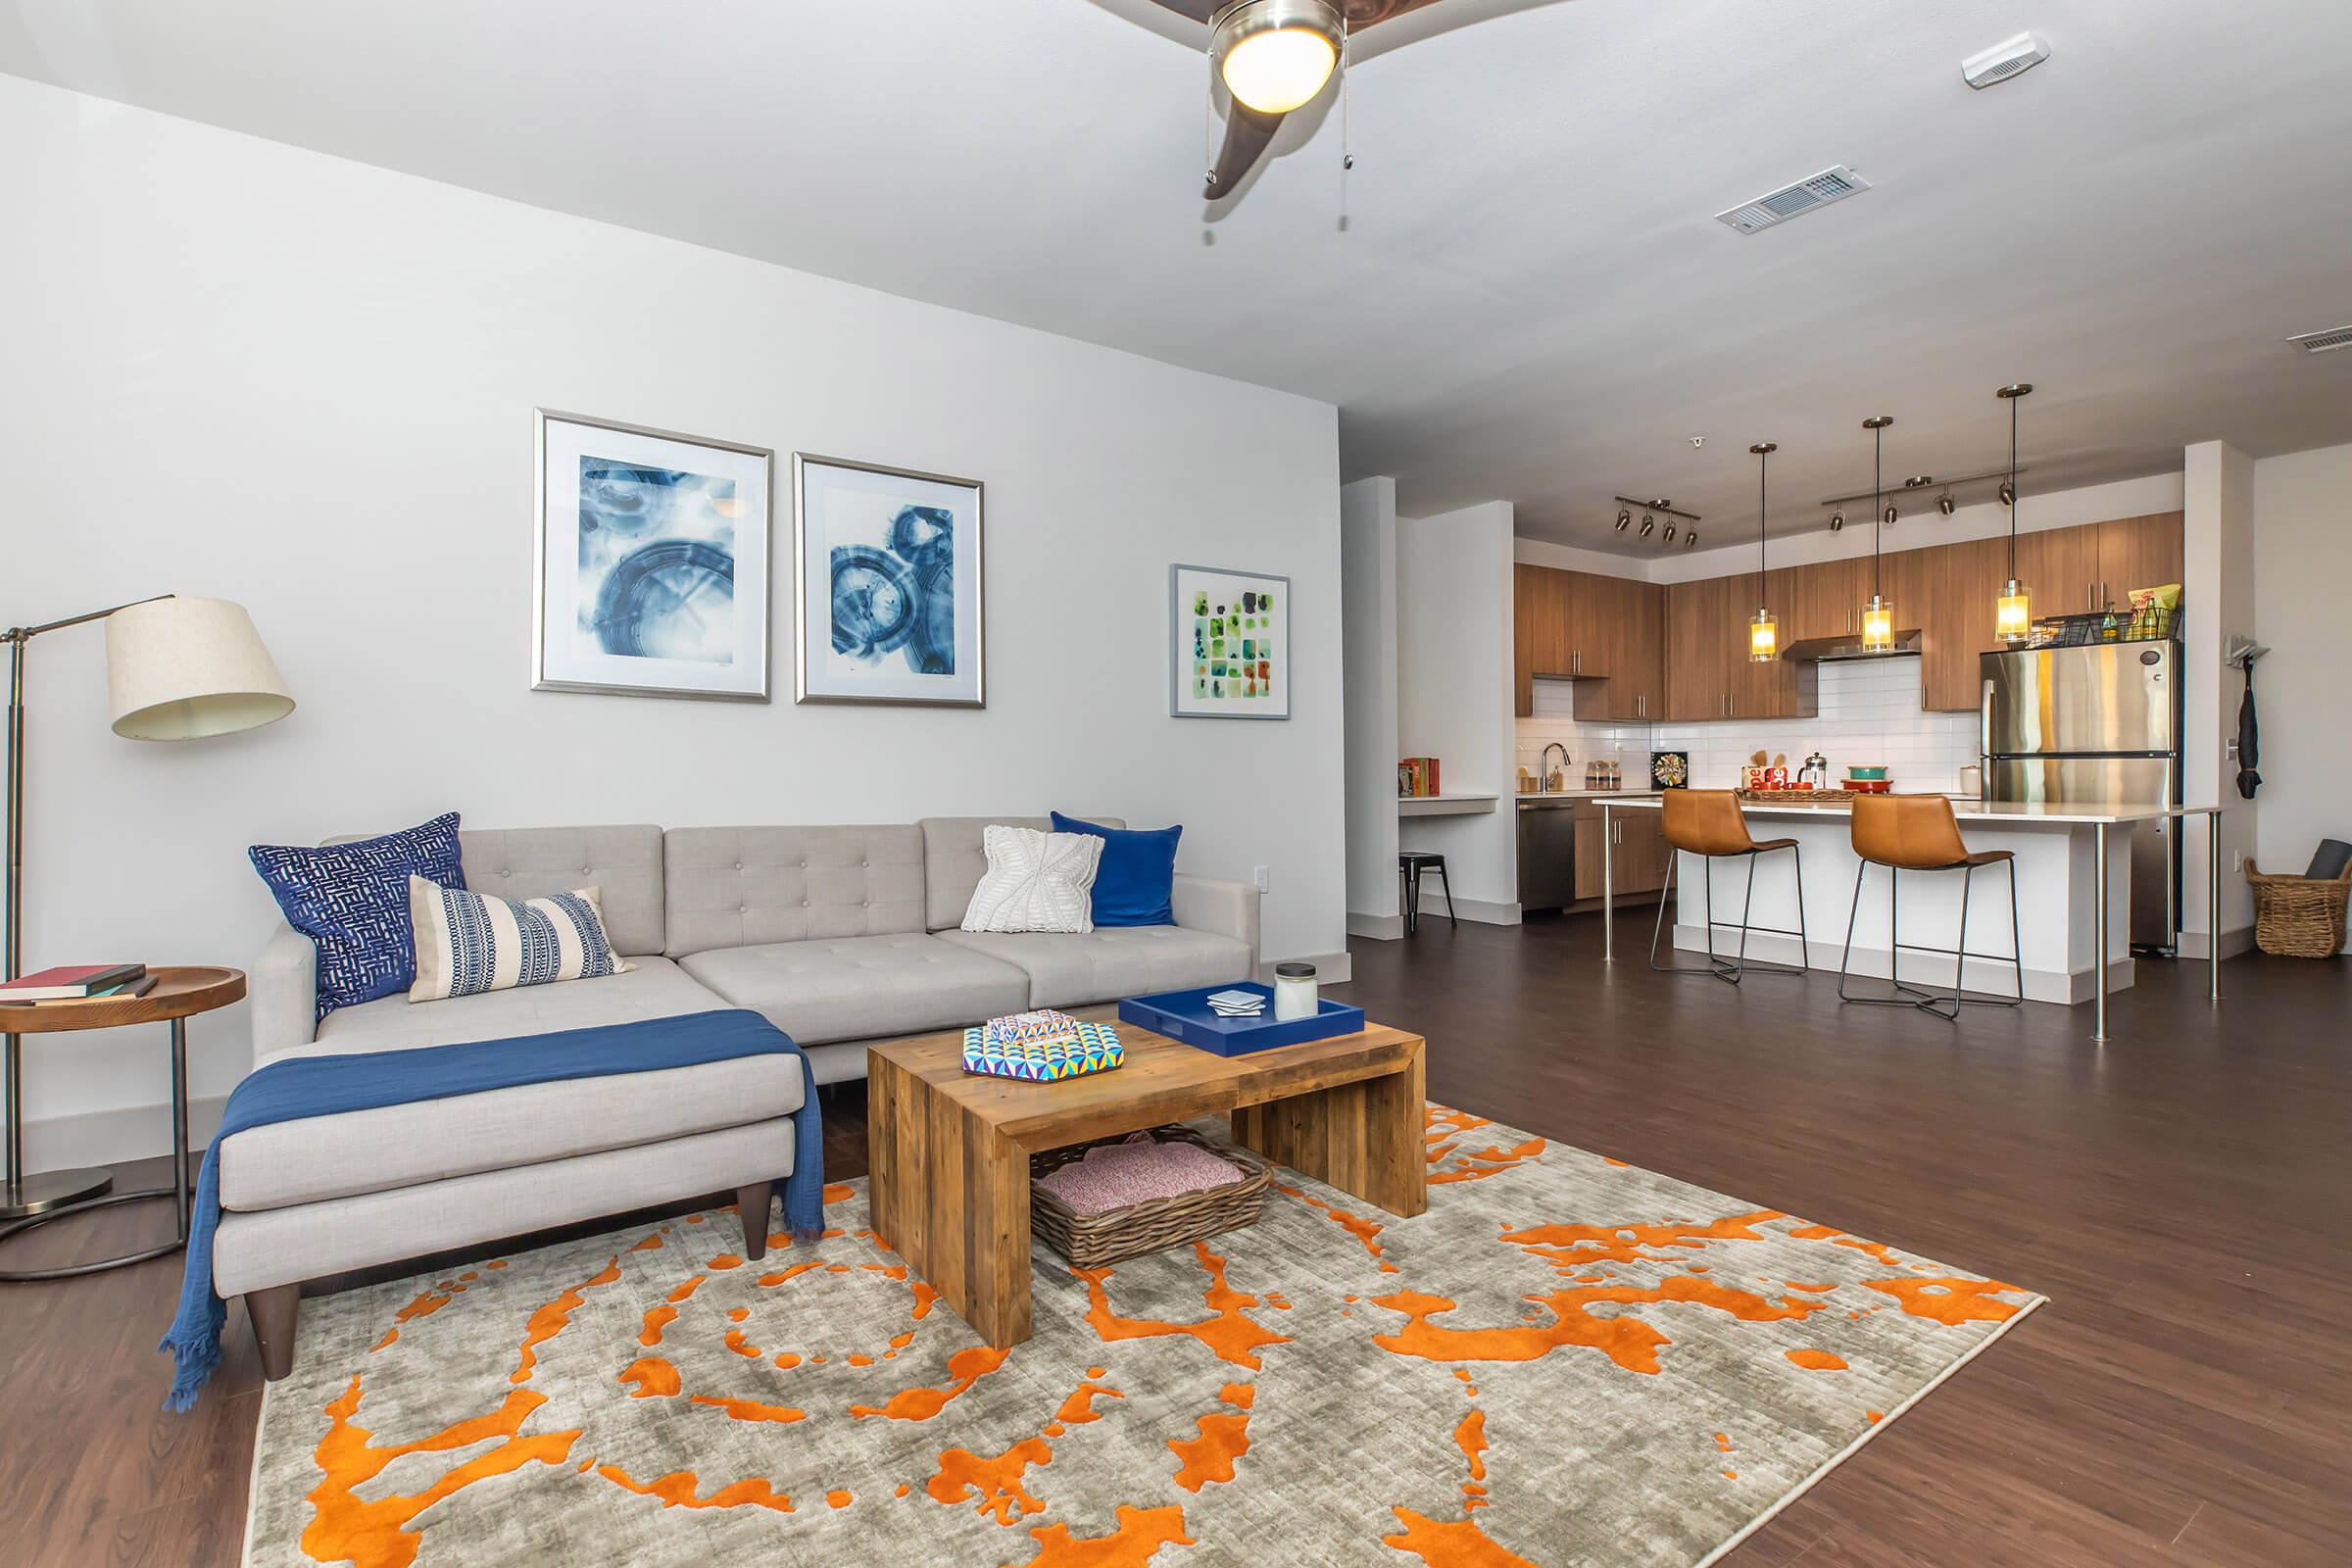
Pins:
<point x="840" y="936"/>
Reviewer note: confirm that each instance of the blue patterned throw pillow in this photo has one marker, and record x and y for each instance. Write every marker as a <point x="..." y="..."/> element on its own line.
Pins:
<point x="352" y="899"/>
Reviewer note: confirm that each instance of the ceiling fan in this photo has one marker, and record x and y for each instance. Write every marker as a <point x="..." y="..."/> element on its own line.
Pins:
<point x="1275" y="57"/>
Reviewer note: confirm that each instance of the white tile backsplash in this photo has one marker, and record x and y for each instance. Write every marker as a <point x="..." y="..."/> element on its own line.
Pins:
<point x="1869" y="713"/>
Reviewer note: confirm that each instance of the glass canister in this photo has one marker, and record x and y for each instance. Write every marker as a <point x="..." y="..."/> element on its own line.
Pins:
<point x="1294" y="991"/>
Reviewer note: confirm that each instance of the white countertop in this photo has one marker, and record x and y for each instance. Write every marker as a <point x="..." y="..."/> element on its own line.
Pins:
<point x="2012" y="813"/>
<point x="1566" y="797"/>
<point x="1449" y="802"/>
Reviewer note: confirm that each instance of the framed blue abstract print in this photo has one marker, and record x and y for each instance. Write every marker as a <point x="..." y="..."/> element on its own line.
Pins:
<point x="653" y="562"/>
<point x="1229" y="654"/>
<point x="889" y="584"/>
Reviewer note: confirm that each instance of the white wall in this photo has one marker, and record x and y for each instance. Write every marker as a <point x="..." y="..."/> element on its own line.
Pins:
<point x="242" y="369"/>
<point x="2216" y="600"/>
<point x="1453" y="694"/>
<point x="1368" y="640"/>
<point x="2302" y="562"/>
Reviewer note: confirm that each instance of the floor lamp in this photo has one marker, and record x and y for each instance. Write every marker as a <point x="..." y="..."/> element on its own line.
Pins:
<point x="176" y="670"/>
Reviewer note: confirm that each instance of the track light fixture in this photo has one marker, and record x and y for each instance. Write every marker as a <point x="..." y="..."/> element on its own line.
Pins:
<point x="1648" y="524"/>
<point x="1890" y="516"/>
<point x="1947" y="504"/>
<point x="2008" y="494"/>
<point x="1625" y="520"/>
<point x="1668" y="536"/>
<point x="1689" y="539"/>
<point x="1837" y="521"/>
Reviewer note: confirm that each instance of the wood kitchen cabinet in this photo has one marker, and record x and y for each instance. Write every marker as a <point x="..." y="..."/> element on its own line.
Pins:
<point x="1633" y="850"/>
<point x="1964" y="583"/>
<point x="1825" y="600"/>
<point x="1708" y="673"/>
<point x="2060" y="568"/>
<point x="1600" y="631"/>
<point x="2138" y="553"/>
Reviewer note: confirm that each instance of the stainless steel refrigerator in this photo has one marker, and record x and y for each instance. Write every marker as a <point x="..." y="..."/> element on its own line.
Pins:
<point x="2097" y="725"/>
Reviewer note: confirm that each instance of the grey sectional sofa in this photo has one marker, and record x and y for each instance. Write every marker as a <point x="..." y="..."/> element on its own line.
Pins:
<point x="840" y="936"/>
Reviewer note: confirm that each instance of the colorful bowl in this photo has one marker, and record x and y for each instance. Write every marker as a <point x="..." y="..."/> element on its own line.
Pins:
<point x="1878" y="771"/>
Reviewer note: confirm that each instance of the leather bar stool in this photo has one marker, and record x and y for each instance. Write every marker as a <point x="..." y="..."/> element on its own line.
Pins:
<point x="1709" y="822"/>
<point x="1410" y="863"/>
<point x="1919" y="833"/>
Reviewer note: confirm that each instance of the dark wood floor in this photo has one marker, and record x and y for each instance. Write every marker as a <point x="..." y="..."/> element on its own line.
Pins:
<point x="2183" y="1194"/>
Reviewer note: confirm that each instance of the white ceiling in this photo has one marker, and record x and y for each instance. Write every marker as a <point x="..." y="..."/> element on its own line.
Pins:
<point x="1532" y="301"/>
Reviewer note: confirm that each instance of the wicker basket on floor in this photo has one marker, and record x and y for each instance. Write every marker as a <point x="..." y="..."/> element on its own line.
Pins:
<point x="1091" y="1240"/>
<point x="2296" y="916"/>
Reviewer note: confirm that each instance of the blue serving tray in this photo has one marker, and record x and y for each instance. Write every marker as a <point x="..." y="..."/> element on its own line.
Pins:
<point x="1186" y="1016"/>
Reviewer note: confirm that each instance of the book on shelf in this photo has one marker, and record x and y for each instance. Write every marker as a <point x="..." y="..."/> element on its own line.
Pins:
<point x="1417" y="776"/>
<point x="69" y="982"/>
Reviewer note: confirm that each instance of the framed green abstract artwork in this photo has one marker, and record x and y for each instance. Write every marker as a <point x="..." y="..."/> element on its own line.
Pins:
<point x="1229" y="643"/>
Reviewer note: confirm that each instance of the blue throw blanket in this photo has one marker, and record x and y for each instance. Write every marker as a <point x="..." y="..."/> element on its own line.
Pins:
<point x="321" y="1086"/>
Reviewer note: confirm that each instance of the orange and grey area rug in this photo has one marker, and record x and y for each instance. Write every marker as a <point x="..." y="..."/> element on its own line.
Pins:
<point x="1566" y="1360"/>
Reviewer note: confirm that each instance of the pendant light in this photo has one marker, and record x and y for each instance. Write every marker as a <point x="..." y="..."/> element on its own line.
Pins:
<point x="1877" y="617"/>
<point x="1763" y="628"/>
<point x="2013" y="614"/>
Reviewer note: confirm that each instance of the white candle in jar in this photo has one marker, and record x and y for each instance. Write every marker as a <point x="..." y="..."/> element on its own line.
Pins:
<point x="1294" y="991"/>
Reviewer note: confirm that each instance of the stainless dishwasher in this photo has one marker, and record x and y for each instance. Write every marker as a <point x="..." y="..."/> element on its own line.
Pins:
<point x="1547" y="853"/>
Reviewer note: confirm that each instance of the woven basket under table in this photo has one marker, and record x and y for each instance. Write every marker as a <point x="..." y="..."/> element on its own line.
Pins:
<point x="2296" y="916"/>
<point x="1091" y="1240"/>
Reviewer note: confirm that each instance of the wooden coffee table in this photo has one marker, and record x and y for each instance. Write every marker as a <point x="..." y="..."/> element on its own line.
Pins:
<point x="950" y="1151"/>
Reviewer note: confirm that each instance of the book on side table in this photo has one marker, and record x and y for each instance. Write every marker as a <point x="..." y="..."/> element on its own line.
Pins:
<point x="77" y="982"/>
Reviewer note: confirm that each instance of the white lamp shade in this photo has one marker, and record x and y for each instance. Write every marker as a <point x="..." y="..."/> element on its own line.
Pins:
<point x="180" y="669"/>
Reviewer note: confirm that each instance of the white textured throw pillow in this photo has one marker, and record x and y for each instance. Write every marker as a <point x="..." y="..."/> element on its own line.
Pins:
<point x="1035" y="881"/>
<point x="469" y="943"/>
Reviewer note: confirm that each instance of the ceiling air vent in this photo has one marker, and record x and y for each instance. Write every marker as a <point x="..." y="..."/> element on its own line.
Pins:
<point x="2005" y="60"/>
<point x="1794" y="201"/>
<point x="2335" y="337"/>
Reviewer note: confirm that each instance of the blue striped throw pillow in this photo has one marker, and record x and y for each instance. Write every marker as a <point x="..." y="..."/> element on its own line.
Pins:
<point x="468" y="944"/>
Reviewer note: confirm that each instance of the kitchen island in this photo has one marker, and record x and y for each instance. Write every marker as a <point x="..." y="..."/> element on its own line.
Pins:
<point x="2068" y="886"/>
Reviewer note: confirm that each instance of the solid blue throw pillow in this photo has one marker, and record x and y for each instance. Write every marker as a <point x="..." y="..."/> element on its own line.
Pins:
<point x="352" y="899"/>
<point x="1137" y="874"/>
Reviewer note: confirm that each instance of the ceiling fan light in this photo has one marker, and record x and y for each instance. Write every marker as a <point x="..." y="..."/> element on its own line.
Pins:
<point x="1276" y="54"/>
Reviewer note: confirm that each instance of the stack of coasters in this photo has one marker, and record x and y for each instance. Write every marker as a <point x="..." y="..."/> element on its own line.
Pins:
<point x="1041" y="1046"/>
<point x="1236" y="1004"/>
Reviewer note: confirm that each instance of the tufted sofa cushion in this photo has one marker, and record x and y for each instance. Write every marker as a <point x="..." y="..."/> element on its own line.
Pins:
<point x="734" y="887"/>
<point x="624" y="865"/>
<point x="848" y="988"/>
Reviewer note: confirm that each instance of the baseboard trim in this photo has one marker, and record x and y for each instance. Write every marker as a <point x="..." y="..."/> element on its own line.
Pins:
<point x="1376" y="927"/>
<point x="117" y="1135"/>
<point x="1331" y="969"/>
<point x="1928" y="969"/>
<point x="2238" y="940"/>
<point x="1484" y="912"/>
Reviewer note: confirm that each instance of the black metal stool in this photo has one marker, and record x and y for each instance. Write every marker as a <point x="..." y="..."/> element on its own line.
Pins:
<point x="1410" y="863"/>
<point x="1709" y="823"/>
<point x="1919" y="833"/>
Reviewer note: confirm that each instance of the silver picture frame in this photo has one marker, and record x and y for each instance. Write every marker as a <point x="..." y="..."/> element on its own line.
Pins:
<point x="807" y="625"/>
<point x="1180" y="658"/>
<point x="540" y="681"/>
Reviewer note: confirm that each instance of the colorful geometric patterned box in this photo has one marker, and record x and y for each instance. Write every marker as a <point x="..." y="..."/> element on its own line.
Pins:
<point x="1082" y="1048"/>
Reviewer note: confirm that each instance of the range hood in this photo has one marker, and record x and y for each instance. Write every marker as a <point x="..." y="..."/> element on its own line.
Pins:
<point x="1831" y="649"/>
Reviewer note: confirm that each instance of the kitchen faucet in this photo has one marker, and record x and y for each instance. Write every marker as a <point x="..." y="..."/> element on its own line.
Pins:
<point x="1544" y="766"/>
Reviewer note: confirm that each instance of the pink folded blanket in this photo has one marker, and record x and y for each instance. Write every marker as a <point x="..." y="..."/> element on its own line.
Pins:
<point x="1120" y="1175"/>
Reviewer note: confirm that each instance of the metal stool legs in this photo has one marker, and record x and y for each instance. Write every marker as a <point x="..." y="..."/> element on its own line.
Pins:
<point x="1410" y="869"/>
<point x="1944" y="1006"/>
<point x="1732" y="970"/>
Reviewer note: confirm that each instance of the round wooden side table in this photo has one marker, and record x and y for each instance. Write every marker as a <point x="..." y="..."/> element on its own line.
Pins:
<point x="179" y="993"/>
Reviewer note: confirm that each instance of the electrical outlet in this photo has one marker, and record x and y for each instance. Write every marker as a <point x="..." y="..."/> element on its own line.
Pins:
<point x="1264" y="883"/>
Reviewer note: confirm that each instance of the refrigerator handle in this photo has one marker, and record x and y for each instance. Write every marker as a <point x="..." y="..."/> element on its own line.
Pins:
<point x="1985" y="732"/>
